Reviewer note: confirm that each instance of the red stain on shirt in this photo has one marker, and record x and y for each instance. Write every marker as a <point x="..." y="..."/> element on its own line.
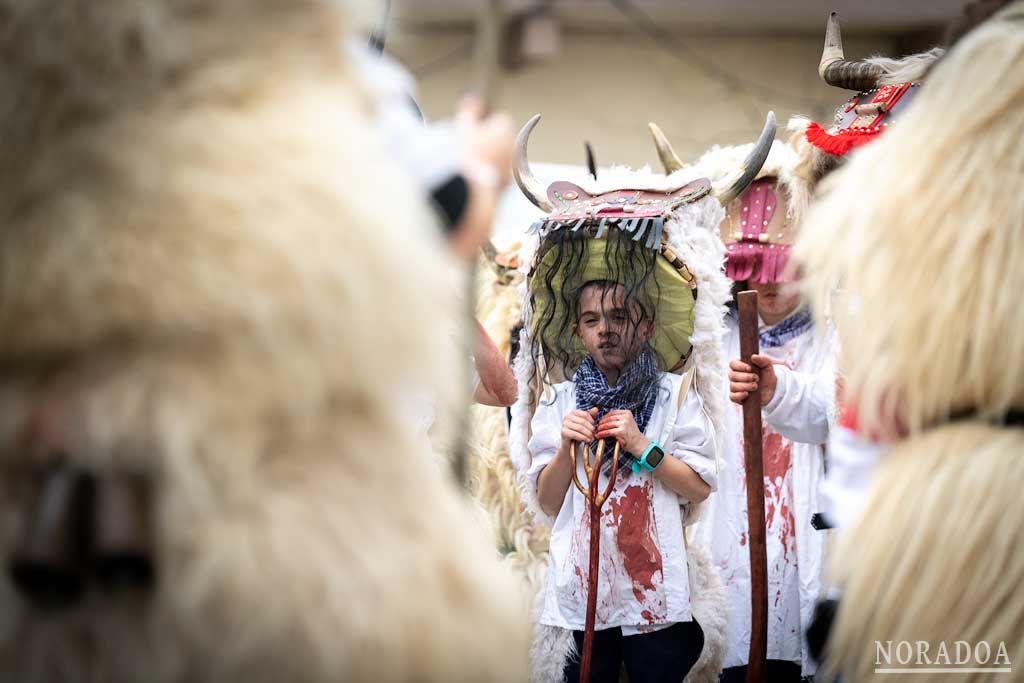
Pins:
<point x="778" y="465"/>
<point x="776" y="456"/>
<point x="640" y="555"/>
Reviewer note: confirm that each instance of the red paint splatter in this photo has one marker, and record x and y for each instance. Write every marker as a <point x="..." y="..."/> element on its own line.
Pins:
<point x="646" y="614"/>
<point x="580" y="541"/>
<point x="640" y="554"/>
<point x="778" y="464"/>
<point x="776" y="456"/>
<point x="743" y="538"/>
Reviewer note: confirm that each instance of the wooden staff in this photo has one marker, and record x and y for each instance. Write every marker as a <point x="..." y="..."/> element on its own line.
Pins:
<point x="594" y="503"/>
<point x="754" y="466"/>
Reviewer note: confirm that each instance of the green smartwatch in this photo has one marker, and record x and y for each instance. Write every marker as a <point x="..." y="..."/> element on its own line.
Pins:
<point x="652" y="457"/>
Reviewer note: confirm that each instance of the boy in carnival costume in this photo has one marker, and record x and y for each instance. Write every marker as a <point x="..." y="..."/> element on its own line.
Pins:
<point x="622" y="343"/>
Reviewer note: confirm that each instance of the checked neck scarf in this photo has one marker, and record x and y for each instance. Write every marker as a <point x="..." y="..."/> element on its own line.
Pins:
<point x="636" y="391"/>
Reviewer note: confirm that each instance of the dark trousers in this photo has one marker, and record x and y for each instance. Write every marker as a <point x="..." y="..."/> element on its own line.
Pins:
<point x="776" y="670"/>
<point x="664" y="656"/>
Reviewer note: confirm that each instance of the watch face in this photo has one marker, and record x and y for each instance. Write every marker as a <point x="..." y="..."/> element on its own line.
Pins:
<point x="655" y="457"/>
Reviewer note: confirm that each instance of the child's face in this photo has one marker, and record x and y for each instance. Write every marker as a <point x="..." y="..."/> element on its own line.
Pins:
<point x="775" y="301"/>
<point x="612" y="331"/>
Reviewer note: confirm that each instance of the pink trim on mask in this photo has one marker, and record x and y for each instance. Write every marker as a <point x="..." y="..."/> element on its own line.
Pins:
<point x="750" y="258"/>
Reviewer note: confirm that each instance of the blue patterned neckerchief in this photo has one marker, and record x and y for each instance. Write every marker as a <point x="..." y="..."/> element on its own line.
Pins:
<point x="636" y="391"/>
<point x="790" y="328"/>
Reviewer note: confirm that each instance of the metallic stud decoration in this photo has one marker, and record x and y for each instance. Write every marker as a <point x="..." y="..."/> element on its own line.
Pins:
<point x="763" y="237"/>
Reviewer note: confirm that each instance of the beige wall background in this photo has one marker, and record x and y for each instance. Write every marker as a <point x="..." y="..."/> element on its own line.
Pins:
<point x="607" y="82"/>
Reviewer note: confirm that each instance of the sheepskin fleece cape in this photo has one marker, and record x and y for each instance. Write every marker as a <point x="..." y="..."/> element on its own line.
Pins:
<point x="693" y="234"/>
<point x="950" y="562"/>
<point x="210" y="277"/>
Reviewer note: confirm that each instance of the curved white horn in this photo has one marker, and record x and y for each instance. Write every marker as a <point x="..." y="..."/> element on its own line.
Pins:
<point x="753" y="163"/>
<point x="836" y="70"/>
<point x="528" y="184"/>
<point x="669" y="158"/>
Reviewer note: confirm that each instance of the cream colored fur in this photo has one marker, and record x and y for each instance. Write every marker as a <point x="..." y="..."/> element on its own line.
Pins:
<point x="925" y="229"/>
<point x="907" y="69"/>
<point x="937" y="557"/>
<point x="209" y="275"/>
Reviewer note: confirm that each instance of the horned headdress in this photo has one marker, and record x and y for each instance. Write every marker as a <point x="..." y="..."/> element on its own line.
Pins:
<point x="883" y="88"/>
<point x="658" y="236"/>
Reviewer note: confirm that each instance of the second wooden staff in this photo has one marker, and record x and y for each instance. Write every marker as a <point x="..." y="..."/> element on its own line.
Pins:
<point x="754" y="466"/>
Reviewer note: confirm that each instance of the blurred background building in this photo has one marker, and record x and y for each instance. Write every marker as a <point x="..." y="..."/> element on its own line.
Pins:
<point x="706" y="71"/>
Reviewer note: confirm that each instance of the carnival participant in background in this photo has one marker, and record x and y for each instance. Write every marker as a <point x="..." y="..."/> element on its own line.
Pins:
<point x="931" y="331"/>
<point x="797" y="392"/>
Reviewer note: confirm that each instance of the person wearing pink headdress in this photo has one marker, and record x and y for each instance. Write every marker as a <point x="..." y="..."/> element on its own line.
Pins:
<point x="797" y="394"/>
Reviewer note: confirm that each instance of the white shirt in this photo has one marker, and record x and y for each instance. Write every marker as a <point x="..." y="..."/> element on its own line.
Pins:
<point x="642" y="577"/>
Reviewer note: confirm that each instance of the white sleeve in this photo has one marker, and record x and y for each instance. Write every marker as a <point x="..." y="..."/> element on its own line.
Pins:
<point x="546" y="437"/>
<point x="852" y="462"/>
<point x="693" y="439"/>
<point x="799" y="409"/>
<point x="431" y="153"/>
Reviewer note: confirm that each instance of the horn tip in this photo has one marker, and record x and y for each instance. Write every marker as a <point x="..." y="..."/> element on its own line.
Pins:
<point x="530" y="124"/>
<point x="833" y="47"/>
